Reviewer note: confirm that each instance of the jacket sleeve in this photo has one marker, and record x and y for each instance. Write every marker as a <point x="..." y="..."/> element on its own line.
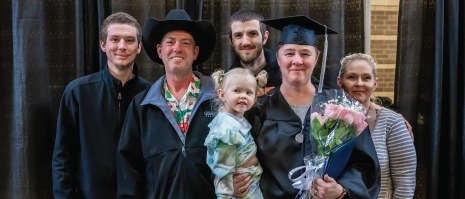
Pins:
<point x="402" y="159"/>
<point x="255" y="116"/>
<point x="361" y="179"/>
<point x="129" y="157"/>
<point x="66" y="147"/>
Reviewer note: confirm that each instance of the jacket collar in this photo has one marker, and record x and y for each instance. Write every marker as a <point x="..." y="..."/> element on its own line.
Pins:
<point x="270" y="57"/>
<point x="111" y="80"/>
<point x="155" y="95"/>
<point x="277" y="107"/>
<point x="274" y="99"/>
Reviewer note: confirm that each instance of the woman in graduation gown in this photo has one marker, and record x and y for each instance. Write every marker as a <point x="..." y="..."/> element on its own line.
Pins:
<point x="281" y="123"/>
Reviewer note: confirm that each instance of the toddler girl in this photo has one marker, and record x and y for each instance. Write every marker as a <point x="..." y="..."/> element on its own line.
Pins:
<point x="230" y="145"/>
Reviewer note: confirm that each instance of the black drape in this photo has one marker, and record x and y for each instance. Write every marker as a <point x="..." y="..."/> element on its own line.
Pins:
<point x="46" y="44"/>
<point x="430" y="92"/>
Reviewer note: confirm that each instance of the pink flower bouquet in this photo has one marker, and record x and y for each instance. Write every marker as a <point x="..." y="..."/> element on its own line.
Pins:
<point x="337" y="125"/>
<point x="336" y="119"/>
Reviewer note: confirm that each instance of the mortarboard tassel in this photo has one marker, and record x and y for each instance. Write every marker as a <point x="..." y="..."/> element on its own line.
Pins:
<point x="323" y="66"/>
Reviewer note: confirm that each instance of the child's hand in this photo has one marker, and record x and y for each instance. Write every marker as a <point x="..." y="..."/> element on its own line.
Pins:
<point x="241" y="184"/>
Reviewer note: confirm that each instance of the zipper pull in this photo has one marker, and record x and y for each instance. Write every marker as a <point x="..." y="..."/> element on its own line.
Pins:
<point x="119" y="101"/>
<point x="183" y="151"/>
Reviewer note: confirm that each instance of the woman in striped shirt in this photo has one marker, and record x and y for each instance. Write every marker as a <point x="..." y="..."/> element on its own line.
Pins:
<point x="394" y="146"/>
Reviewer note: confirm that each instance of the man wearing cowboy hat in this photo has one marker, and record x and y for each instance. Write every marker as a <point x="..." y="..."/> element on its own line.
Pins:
<point x="161" y="152"/>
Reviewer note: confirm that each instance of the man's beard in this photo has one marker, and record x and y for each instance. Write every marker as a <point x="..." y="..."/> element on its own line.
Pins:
<point x="247" y="59"/>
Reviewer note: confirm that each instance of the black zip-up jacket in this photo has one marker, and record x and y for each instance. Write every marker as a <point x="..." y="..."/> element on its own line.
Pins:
<point x="89" y="124"/>
<point x="154" y="160"/>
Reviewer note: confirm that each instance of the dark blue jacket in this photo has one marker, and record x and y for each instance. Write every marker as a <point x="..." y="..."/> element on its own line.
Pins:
<point x="154" y="159"/>
<point x="89" y="123"/>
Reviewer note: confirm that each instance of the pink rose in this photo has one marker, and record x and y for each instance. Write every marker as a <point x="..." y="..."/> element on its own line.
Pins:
<point x="361" y="127"/>
<point x="320" y="118"/>
<point x="359" y="118"/>
<point x="346" y="115"/>
<point x="332" y="111"/>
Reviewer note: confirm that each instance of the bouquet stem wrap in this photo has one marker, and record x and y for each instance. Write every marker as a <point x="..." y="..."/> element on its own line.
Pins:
<point x="313" y="168"/>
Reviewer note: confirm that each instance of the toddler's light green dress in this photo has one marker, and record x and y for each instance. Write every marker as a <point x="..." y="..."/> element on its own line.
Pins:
<point x="230" y="145"/>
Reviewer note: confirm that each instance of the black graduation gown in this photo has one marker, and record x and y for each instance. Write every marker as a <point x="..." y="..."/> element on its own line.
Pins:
<point x="275" y="126"/>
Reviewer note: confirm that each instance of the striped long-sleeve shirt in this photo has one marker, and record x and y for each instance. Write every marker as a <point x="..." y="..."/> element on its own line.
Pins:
<point x="396" y="154"/>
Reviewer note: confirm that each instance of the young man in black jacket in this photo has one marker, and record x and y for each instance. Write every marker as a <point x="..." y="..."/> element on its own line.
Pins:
<point x="92" y="112"/>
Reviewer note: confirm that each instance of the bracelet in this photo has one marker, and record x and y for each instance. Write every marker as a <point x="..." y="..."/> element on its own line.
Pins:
<point x="343" y="193"/>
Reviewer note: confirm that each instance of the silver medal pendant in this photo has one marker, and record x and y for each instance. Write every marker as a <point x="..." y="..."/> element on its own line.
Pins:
<point x="299" y="137"/>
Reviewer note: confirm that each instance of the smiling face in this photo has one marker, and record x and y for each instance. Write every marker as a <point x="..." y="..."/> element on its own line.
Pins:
<point x="238" y="96"/>
<point x="358" y="80"/>
<point x="247" y="40"/>
<point x="121" y="46"/>
<point x="297" y="63"/>
<point x="178" y="51"/>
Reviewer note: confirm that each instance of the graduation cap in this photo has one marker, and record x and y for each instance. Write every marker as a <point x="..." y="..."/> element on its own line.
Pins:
<point x="302" y="30"/>
<point x="298" y="30"/>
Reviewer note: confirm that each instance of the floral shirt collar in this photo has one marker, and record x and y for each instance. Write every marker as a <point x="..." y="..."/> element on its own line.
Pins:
<point x="182" y="110"/>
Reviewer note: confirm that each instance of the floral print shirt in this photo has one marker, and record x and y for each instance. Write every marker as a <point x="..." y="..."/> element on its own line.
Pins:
<point x="182" y="110"/>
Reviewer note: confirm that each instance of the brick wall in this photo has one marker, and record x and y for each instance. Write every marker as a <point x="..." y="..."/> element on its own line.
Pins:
<point x="383" y="43"/>
<point x="384" y="51"/>
<point x="384" y="22"/>
<point x="386" y="78"/>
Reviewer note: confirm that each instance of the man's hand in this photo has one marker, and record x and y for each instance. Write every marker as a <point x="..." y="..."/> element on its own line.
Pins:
<point x="241" y="184"/>
<point x="409" y="128"/>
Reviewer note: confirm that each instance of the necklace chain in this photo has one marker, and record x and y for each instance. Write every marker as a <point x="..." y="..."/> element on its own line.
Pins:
<point x="368" y="110"/>
<point x="368" y="119"/>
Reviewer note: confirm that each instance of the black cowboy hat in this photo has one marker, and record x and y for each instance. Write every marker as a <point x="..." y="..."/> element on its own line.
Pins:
<point x="202" y="32"/>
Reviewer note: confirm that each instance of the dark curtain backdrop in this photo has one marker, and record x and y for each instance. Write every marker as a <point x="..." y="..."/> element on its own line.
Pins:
<point x="429" y="92"/>
<point x="46" y="44"/>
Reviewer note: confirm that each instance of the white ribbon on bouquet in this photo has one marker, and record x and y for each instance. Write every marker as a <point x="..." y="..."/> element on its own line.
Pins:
<point x="303" y="181"/>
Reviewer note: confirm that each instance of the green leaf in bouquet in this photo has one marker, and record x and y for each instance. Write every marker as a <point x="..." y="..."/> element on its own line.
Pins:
<point x="317" y="130"/>
<point x="329" y="126"/>
<point x="340" y="131"/>
<point x="321" y="150"/>
<point x="316" y="124"/>
<point x="351" y="132"/>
